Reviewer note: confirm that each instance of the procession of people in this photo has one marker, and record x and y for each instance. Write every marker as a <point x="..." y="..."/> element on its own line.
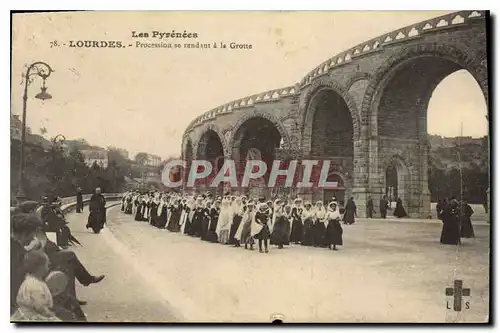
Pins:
<point x="241" y="221"/>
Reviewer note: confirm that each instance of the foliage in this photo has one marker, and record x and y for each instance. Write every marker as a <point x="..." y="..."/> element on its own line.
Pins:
<point x="444" y="173"/>
<point x="61" y="173"/>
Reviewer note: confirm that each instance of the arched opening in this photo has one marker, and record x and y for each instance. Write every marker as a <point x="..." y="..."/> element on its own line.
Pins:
<point x="459" y="100"/>
<point x="332" y="138"/>
<point x="256" y="139"/>
<point x="402" y="121"/>
<point x="210" y="148"/>
<point x="397" y="181"/>
<point x="391" y="182"/>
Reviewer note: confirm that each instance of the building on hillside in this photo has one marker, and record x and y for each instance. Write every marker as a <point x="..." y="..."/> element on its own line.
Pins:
<point x="437" y="141"/>
<point x="99" y="156"/>
<point x="153" y="160"/>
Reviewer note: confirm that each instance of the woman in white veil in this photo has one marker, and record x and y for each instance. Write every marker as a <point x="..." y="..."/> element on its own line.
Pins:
<point x="334" y="230"/>
<point x="243" y="234"/>
<point x="237" y="210"/>
<point x="224" y="223"/>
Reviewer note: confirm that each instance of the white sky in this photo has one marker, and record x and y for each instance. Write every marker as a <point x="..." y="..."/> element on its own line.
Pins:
<point x="143" y="99"/>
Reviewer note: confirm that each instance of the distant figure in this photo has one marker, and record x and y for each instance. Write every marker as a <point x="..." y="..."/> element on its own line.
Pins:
<point x="466" y="229"/>
<point x="350" y="211"/>
<point x="400" y="211"/>
<point x="79" y="200"/>
<point x="384" y="205"/>
<point x="369" y="208"/>
<point x="97" y="208"/>
<point x="439" y="206"/>
<point x="450" y="215"/>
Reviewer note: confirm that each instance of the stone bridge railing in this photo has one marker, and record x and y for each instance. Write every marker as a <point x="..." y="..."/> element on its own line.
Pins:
<point x="69" y="203"/>
<point x="264" y="97"/>
<point x="409" y="32"/>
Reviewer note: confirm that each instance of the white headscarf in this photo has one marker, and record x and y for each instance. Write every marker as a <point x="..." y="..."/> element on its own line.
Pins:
<point x="320" y="211"/>
<point x="237" y="207"/>
<point x="333" y="214"/>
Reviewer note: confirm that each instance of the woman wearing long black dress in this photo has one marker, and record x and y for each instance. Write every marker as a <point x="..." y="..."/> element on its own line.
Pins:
<point x="288" y="225"/>
<point x="163" y="213"/>
<point x="280" y="232"/>
<point x="467" y="231"/>
<point x="141" y="210"/>
<point x="153" y="209"/>
<point x="214" y="218"/>
<point x="333" y="235"/>
<point x="195" y="229"/>
<point x="319" y="225"/>
<point x="260" y="227"/>
<point x="400" y="211"/>
<point x="450" y="215"/>
<point x="189" y="209"/>
<point x="297" y="227"/>
<point x="128" y="204"/>
<point x="205" y="221"/>
<point x="350" y="211"/>
<point x="175" y="215"/>
<point x="308" y="230"/>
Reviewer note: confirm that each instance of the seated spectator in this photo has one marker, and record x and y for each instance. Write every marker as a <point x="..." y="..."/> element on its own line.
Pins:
<point x="67" y="262"/>
<point x="23" y="229"/>
<point x="28" y="235"/>
<point x="34" y="299"/>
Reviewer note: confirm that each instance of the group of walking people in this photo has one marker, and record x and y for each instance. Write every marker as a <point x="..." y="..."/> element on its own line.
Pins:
<point x="456" y="216"/>
<point x="240" y="221"/>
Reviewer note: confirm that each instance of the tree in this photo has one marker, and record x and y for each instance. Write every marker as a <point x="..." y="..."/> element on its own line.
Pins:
<point x="141" y="158"/>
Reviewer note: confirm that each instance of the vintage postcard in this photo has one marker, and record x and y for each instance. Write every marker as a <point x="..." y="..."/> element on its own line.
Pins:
<point x="250" y="167"/>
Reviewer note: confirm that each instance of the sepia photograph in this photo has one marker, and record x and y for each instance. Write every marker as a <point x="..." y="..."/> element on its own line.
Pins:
<point x="216" y="167"/>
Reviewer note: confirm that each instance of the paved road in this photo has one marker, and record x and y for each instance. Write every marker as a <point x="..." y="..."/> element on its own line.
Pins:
<point x="387" y="272"/>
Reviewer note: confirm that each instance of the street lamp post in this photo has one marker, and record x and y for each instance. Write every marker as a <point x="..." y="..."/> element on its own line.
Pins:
<point x="57" y="142"/>
<point x="43" y="70"/>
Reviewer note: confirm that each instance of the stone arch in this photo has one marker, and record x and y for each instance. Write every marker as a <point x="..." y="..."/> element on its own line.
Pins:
<point x="390" y="68"/>
<point x="316" y="87"/>
<point x="355" y="78"/>
<point x="214" y="128"/>
<point x="404" y="178"/>
<point x="383" y="109"/>
<point x="274" y="120"/>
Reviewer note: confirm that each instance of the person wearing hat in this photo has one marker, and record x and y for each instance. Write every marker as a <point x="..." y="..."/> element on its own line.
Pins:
<point x="333" y="234"/>
<point x="54" y="221"/>
<point x="97" y="208"/>
<point x="23" y="230"/>
<point x="243" y="234"/>
<point x="260" y="228"/>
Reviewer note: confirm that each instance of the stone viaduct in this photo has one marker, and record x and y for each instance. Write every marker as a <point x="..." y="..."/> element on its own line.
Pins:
<point x="365" y="109"/>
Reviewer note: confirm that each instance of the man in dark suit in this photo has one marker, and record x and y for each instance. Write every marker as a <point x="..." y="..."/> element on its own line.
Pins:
<point x="23" y="230"/>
